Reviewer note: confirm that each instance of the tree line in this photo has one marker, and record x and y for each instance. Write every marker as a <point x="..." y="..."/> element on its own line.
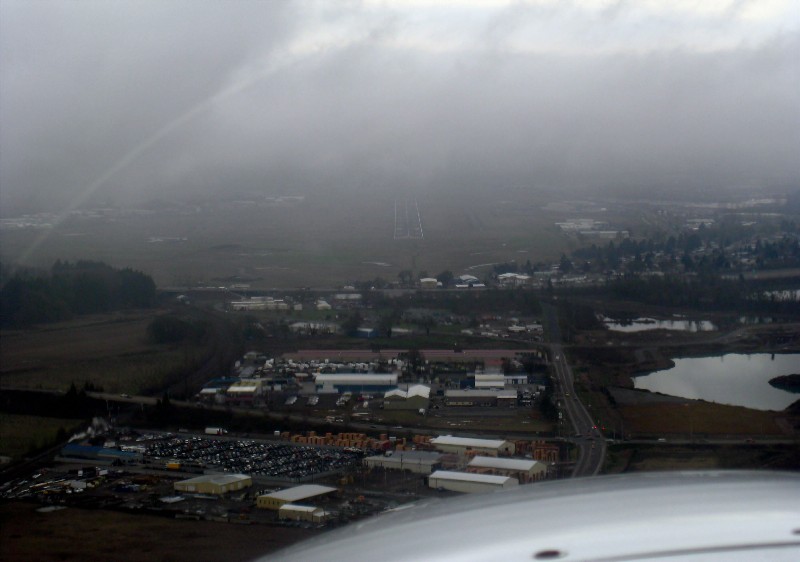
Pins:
<point x="72" y="289"/>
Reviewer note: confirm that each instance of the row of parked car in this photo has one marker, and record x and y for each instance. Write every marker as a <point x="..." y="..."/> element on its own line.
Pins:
<point x="253" y="457"/>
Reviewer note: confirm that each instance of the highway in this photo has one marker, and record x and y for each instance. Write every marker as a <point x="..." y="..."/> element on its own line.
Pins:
<point x="588" y="439"/>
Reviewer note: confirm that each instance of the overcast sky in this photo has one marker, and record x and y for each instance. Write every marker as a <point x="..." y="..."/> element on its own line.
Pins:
<point x="120" y="101"/>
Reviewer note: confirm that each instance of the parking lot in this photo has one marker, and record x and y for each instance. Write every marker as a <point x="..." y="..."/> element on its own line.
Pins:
<point x="256" y="458"/>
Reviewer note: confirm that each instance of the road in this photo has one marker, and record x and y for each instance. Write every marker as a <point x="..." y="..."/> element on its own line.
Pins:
<point x="591" y="444"/>
<point x="588" y="439"/>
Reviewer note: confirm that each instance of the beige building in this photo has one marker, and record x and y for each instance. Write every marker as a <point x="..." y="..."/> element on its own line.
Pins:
<point x="524" y="470"/>
<point x="214" y="484"/>
<point x="417" y="397"/>
<point x="296" y="512"/>
<point x="418" y="462"/>
<point x="276" y="500"/>
<point x="463" y="445"/>
<point x="428" y="283"/>
<point x="469" y="483"/>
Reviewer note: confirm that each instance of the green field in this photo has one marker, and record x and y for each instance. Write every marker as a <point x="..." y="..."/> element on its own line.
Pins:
<point x="698" y="418"/>
<point x="21" y="434"/>
<point x="629" y="457"/>
<point x="321" y="242"/>
<point x="109" y="351"/>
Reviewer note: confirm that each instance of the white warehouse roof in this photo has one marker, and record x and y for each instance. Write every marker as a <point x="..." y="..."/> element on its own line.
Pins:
<point x="470" y="477"/>
<point x="219" y="479"/>
<point x="355" y="378"/>
<point x="469" y="393"/>
<point x="416" y="390"/>
<point x="242" y="388"/>
<point x="468" y="442"/>
<point x="299" y="508"/>
<point x="300" y="492"/>
<point x="507" y="464"/>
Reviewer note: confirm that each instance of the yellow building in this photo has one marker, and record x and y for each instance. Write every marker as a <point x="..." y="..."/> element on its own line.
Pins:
<point x="296" y="512"/>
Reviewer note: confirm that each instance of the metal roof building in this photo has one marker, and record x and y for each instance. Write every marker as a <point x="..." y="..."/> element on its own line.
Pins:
<point x="354" y="382"/>
<point x="525" y="470"/>
<point x="418" y="462"/>
<point x="297" y="512"/>
<point x="416" y="397"/>
<point x="460" y="445"/>
<point x="214" y="483"/>
<point x="470" y="483"/>
<point x="275" y="500"/>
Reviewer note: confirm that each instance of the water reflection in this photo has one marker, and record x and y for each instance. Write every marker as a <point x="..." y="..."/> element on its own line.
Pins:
<point x="737" y="379"/>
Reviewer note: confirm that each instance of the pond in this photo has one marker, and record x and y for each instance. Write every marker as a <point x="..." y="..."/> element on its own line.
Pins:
<point x="737" y="379"/>
<point x="642" y="324"/>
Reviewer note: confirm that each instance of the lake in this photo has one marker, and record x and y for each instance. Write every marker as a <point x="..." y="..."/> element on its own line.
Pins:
<point x="737" y="379"/>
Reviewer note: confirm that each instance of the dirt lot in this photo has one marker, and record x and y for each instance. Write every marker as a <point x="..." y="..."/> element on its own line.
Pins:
<point x="19" y="434"/>
<point x="89" y="536"/>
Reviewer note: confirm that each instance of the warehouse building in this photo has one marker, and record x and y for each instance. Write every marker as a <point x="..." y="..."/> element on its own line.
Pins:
<point x="469" y="483"/>
<point x="297" y="512"/>
<point x="524" y="470"/>
<point x="275" y="500"/>
<point x="465" y="445"/>
<point x="418" y="462"/>
<point x="492" y="380"/>
<point x="217" y="484"/>
<point x="245" y="391"/>
<point x="507" y="398"/>
<point x="417" y="397"/>
<point x="480" y="398"/>
<point x="354" y="382"/>
<point x="476" y="398"/>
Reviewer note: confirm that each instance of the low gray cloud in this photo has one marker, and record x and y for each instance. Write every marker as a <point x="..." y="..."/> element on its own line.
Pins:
<point x="124" y="101"/>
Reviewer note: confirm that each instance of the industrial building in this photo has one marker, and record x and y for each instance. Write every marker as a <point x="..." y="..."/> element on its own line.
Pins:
<point x="354" y="382"/>
<point x="275" y="500"/>
<point x="465" y="445"/>
<point x="244" y="391"/>
<point x="418" y="462"/>
<point x="417" y="397"/>
<point x="488" y="381"/>
<point x="470" y="398"/>
<point x="217" y="484"/>
<point x="296" y="512"/>
<point x="480" y="398"/>
<point x="469" y="483"/>
<point x="429" y="283"/>
<point x="524" y="470"/>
